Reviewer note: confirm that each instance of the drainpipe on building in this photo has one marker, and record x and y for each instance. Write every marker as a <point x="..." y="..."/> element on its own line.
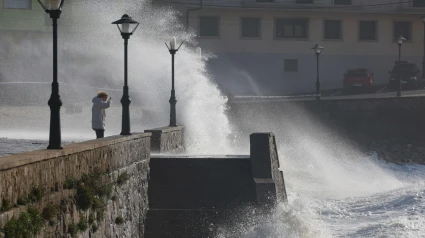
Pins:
<point x="192" y="9"/>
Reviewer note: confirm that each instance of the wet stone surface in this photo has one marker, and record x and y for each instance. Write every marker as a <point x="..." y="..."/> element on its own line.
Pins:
<point x="14" y="146"/>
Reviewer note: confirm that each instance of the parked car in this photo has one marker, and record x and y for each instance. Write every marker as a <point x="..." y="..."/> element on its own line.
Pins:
<point x="360" y="79"/>
<point x="408" y="73"/>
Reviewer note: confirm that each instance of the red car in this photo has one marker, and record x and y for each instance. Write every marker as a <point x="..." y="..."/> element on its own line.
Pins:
<point x="358" y="80"/>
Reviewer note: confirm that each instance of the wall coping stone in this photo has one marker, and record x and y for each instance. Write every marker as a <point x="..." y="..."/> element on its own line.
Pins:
<point x="153" y="156"/>
<point x="324" y="99"/>
<point x="165" y="129"/>
<point x="21" y="159"/>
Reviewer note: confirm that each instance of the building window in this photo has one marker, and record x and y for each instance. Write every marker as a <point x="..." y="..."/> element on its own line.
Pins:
<point x="402" y="29"/>
<point x="17" y="4"/>
<point x="251" y="27"/>
<point x="304" y="1"/>
<point x="291" y="28"/>
<point x="418" y="3"/>
<point x="367" y="30"/>
<point x="332" y="30"/>
<point x="209" y="26"/>
<point x="342" y="2"/>
<point x="290" y="65"/>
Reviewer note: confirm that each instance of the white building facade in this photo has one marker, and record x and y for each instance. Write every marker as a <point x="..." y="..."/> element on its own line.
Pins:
<point x="263" y="47"/>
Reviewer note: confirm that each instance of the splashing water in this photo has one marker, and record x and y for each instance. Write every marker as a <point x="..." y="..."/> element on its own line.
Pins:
<point x="92" y="58"/>
<point x="333" y="190"/>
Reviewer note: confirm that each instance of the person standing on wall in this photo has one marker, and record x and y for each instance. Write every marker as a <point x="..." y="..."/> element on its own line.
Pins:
<point x="98" y="113"/>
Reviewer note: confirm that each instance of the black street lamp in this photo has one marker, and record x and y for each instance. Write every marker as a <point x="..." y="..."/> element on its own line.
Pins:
<point x="123" y="25"/>
<point x="54" y="9"/>
<point x="399" y="40"/>
<point x="173" y="50"/>
<point x="423" y="60"/>
<point x="317" y="50"/>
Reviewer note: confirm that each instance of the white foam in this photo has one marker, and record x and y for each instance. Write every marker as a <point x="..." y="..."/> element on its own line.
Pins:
<point x="200" y="107"/>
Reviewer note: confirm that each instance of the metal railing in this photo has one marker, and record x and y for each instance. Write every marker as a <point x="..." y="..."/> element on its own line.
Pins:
<point x="356" y="5"/>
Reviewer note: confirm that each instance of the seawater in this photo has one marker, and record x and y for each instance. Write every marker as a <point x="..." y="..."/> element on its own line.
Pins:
<point x="315" y="210"/>
<point x="332" y="191"/>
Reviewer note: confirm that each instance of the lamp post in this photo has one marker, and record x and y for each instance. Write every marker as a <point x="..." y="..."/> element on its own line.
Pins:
<point x="317" y="50"/>
<point x="172" y="48"/>
<point x="123" y="25"/>
<point x="399" y="40"/>
<point x="423" y="60"/>
<point x="54" y="9"/>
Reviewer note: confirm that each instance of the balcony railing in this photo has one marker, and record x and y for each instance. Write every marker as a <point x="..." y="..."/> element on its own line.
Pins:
<point x="340" y="5"/>
<point x="304" y="4"/>
<point x="407" y="6"/>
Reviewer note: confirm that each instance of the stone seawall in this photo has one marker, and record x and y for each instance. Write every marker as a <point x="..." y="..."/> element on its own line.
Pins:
<point x="40" y="179"/>
<point x="96" y="188"/>
<point x="167" y="140"/>
<point x="393" y="127"/>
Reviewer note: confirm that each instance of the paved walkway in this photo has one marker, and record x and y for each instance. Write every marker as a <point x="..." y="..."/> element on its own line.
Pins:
<point x="12" y="146"/>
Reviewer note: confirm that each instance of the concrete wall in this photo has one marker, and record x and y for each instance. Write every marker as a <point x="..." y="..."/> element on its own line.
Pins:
<point x="194" y="196"/>
<point x="374" y="117"/>
<point x="48" y="170"/>
<point x="393" y="127"/>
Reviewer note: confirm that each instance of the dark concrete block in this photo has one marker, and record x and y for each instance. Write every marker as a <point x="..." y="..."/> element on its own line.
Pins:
<point x="184" y="223"/>
<point x="196" y="183"/>
<point x="191" y="196"/>
<point x="265" y="163"/>
<point x="261" y="169"/>
<point x="260" y="155"/>
<point x="265" y="190"/>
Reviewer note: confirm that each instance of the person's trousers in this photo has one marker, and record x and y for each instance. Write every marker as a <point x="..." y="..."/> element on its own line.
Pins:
<point x="99" y="133"/>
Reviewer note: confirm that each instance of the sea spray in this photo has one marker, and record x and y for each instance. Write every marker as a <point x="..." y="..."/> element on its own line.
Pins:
<point x="91" y="55"/>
